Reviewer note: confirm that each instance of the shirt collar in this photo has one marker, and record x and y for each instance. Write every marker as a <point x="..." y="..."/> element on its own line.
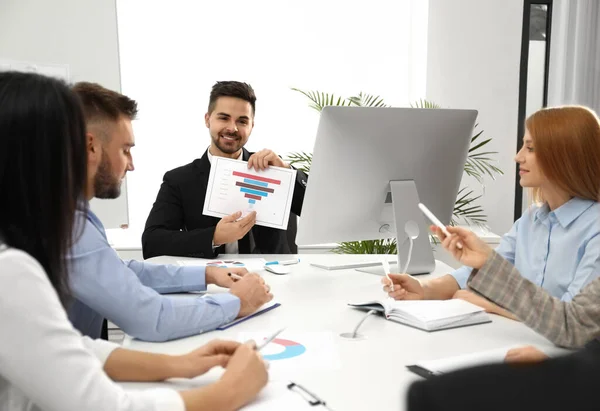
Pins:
<point x="210" y="156"/>
<point x="566" y="213"/>
<point x="86" y="213"/>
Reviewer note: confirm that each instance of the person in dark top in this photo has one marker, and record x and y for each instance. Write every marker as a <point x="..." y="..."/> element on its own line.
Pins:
<point x="176" y="225"/>
<point x="565" y="383"/>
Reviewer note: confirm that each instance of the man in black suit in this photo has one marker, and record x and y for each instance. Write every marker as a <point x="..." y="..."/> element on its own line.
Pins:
<point x="176" y="225"/>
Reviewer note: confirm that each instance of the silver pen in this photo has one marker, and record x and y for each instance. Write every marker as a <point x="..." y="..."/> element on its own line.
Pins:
<point x="269" y="339"/>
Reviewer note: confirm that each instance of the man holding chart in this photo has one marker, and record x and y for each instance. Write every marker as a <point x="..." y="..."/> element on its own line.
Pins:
<point x="176" y="225"/>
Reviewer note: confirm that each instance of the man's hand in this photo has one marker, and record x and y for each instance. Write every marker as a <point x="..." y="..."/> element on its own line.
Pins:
<point x="215" y="353"/>
<point x="527" y="354"/>
<point x="474" y="252"/>
<point x="262" y="159"/>
<point x="252" y="291"/>
<point x="405" y="287"/>
<point x="229" y="230"/>
<point x="219" y="276"/>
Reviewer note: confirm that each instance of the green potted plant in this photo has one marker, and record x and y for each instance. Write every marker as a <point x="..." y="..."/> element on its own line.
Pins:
<point x="479" y="164"/>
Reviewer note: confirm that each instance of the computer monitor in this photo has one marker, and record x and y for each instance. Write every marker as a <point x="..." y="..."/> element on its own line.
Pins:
<point x="372" y="166"/>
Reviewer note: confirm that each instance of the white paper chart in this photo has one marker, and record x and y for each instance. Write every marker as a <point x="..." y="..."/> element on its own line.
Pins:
<point x="232" y="187"/>
<point x="295" y="351"/>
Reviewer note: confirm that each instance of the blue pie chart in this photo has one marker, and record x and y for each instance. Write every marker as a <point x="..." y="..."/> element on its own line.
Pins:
<point x="292" y="349"/>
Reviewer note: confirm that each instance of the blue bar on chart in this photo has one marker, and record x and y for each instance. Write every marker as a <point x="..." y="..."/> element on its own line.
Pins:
<point x="256" y="183"/>
<point x="254" y="187"/>
<point x="254" y="192"/>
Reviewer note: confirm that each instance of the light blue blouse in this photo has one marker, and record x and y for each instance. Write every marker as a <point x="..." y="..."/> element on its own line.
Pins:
<point x="558" y="250"/>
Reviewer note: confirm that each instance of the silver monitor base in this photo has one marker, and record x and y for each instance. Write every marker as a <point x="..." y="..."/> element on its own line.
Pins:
<point x="378" y="270"/>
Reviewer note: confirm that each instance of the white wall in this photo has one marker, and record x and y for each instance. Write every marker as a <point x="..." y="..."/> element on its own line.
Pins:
<point x="473" y="60"/>
<point x="80" y="33"/>
<point x="172" y="55"/>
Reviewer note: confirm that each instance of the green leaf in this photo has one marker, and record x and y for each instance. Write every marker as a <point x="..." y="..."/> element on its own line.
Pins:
<point x="318" y="100"/>
<point x="367" y="100"/>
<point x="424" y="104"/>
<point x="476" y="136"/>
<point x="300" y="160"/>
<point x="387" y="246"/>
<point x="483" y="143"/>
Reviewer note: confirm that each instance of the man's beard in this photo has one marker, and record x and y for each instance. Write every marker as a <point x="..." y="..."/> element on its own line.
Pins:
<point x="228" y="149"/>
<point x="105" y="184"/>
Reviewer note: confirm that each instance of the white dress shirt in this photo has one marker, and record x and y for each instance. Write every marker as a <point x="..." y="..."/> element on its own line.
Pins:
<point x="45" y="364"/>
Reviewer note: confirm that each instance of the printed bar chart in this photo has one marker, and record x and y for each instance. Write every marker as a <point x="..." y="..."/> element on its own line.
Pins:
<point x="233" y="187"/>
<point x="255" y="187"/>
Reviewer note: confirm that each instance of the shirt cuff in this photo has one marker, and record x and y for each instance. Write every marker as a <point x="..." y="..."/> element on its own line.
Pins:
<point x="478" y="280"/>
<point x="193" y="278"/>
<point x="229" y="303"/>
<point x="461" y="276"/>
<point x="101" y="348"/>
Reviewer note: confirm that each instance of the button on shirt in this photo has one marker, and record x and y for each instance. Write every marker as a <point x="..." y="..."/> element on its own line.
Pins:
<point x="557" y="250"/>
<point x="128" y="292"/>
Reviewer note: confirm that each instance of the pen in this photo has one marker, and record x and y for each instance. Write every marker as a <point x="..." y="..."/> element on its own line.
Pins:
<point x="234" y="276"/>
<point x="269" y="339"/>
<point x="386" y="270"/>
<point x="437" y="222"/>
<point x="284" y="262"/>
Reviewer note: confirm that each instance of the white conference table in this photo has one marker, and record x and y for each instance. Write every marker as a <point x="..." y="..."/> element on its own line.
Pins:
<point x="372" y="373"/>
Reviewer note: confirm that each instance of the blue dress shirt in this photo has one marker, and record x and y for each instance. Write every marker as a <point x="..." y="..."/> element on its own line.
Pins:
<point x="557" y="250"/>
<point x="127" y="293"/>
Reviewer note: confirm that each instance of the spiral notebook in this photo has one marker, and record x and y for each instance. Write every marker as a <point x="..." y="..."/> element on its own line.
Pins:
<point x="429" y="315"/>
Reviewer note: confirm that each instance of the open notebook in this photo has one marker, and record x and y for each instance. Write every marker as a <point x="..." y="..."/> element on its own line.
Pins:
<point x="429" y="315"/>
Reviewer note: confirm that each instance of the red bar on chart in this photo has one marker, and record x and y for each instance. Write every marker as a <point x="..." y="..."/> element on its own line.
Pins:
<point x="252" y="196"/>
<point x="255" y="177"/>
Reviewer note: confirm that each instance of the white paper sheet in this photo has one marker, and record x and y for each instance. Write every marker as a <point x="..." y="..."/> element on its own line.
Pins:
<point x="232" y="187"/>
<point x="292" y="352"/>
<point x="445" y="365"/>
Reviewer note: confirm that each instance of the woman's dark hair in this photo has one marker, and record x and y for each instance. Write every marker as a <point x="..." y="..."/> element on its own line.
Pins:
<point x="43" y="169"/>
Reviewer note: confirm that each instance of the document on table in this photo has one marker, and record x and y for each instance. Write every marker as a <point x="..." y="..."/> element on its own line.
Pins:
<point x="445" y="365"/>
<point x="294" y="352"/>
<point x="232" y="187"/>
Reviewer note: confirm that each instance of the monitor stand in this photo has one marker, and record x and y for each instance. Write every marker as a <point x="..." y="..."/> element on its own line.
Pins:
<point x="405" y="199"/>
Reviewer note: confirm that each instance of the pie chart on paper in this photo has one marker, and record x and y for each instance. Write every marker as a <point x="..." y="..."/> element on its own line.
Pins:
<point x="282" y="349"/>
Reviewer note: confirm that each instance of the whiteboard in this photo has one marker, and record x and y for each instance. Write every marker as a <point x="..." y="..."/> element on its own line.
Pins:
<point x="72" y="38"/>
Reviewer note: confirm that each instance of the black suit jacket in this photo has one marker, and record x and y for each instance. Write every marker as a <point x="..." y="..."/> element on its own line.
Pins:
<point x="176" y="225"/>
<point x="567" y="383"/>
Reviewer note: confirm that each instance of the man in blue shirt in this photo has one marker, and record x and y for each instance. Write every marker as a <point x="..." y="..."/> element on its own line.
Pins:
<point x="129" y="293"/>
